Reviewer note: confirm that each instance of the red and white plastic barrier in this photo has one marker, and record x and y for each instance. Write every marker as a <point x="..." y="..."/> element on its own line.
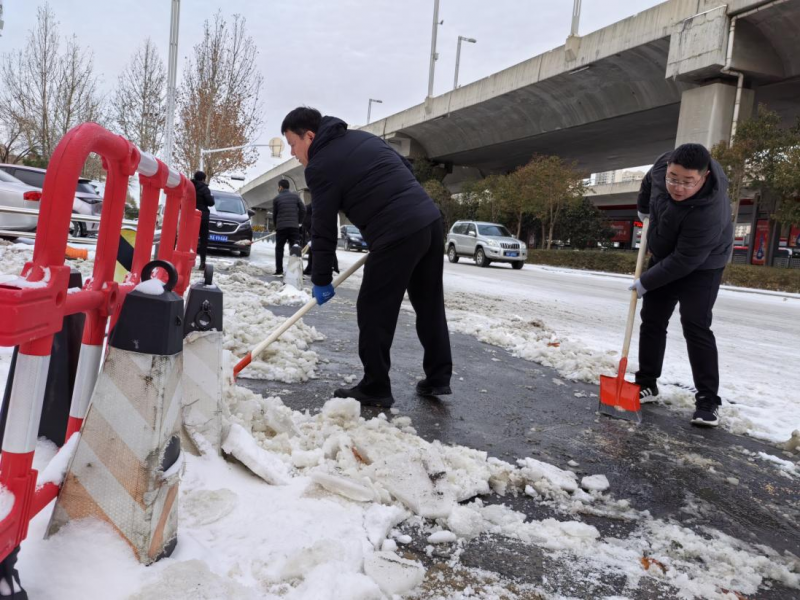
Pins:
<point x="32" y="310"/>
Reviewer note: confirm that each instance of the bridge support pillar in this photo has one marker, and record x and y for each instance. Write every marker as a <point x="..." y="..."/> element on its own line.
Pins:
<point x="707" y="113"/>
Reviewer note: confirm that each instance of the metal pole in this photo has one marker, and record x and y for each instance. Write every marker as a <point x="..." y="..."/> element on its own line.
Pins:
<point x="434" y="55"/>
<point x="576" y="17"/>
<point x="458" y="56"/>
<point x="171" y="75"/>
<point x="369" y="108"/>
<point x="458" y="60"/>
<point x="202" y="154"/>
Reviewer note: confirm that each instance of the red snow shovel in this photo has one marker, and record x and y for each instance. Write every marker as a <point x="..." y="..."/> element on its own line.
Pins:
<point x="620" y="398"/>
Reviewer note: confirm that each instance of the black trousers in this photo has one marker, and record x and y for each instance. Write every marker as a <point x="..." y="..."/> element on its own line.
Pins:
<point x="414" y="264"/>
<point x="289" y="234"/>
<point x="696" y="294"/>
<point x="202" y="243"/>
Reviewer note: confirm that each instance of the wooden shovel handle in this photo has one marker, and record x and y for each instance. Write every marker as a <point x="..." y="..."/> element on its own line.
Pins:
<point x="626" y="346"/>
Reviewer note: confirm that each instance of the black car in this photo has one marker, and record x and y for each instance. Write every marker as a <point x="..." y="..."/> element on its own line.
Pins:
<point x="229" y="226"/>
<point x="351" y="238"/>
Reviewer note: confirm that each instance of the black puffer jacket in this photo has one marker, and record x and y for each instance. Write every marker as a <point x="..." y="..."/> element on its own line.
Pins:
<point x="203" y="197"/>
<point x="694" y="234"/>
<point x="360" y="174"/>
<point x="288" y="210"/>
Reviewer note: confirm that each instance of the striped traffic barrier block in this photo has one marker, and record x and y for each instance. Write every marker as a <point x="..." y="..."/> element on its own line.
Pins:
<point x="126" y="468"/>
<point x="202" y="367"/>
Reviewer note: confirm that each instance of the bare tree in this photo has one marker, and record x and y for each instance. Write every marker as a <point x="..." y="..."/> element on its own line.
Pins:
<point x="139" y="107"/>
<point x="13" y="146"/>
<point x="47" y="91"/>
<point x="219" y="99"/>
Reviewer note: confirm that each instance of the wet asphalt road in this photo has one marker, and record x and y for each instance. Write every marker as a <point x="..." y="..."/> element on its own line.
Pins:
<point x="512" y="408"/>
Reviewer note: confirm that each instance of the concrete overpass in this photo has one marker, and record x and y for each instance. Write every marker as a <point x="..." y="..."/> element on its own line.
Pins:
<point x="615" y="98"/>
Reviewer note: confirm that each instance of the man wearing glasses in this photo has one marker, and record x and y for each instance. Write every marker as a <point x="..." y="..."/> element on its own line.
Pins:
<point x="690" y="238"/>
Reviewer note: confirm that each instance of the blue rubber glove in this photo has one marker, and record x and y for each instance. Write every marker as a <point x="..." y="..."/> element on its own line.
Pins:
<point x="323" y="293"/>
<point x="637" y="285"/>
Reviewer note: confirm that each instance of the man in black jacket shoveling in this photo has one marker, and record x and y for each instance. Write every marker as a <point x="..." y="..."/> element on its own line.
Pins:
<point x="203" y="200"/>
<point x="690" y="238"/>
<point x="287" y="213"/>
<point x="360" y="174"/>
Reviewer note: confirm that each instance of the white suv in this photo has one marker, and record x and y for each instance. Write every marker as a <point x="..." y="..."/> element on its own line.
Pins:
<point x="486" y="243"/>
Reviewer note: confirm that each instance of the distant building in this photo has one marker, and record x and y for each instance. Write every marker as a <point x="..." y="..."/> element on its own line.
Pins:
<point x="619" y="176"/>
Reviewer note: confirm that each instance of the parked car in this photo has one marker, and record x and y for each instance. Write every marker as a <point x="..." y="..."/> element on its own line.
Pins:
<point x="87" y="201"/>
<point x="350" y="238"/>
<point x="17" y="194"/>
<point x="229" y="226"/>
<point x="486" y="243"/>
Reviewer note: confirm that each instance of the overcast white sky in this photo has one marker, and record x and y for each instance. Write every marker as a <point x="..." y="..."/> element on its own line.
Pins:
<point x="331" y="54"/>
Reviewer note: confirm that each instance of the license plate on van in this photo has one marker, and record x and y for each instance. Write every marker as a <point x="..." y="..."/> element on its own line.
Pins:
<point x="514" y="254"/>
<point x="217" y="238"/>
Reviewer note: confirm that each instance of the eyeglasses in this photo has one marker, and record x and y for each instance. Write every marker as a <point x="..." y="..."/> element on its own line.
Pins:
<point x="682" y="184"/>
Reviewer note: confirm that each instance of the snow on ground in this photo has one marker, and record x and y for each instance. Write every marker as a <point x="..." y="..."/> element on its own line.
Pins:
<point x="574" y="321"/>
<point x="248" y="321"/>
<point x="347" y="494"/>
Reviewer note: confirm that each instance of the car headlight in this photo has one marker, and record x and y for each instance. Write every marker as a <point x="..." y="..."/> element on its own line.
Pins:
<point x="493" y="243"/>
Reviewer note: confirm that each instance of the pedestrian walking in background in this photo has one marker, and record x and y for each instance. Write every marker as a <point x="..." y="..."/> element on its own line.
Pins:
<point x="288" y="212"/>
<point x="203" y="201"/>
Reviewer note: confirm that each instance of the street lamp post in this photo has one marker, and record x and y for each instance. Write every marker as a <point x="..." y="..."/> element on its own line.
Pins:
<point x="204" y="151"/>
<point x="434" y="55"/>
<point x="171" y="75"/>
<point x="369" y="107"/>
<point x="461" y="38"/>
<point x="576" y="17"/>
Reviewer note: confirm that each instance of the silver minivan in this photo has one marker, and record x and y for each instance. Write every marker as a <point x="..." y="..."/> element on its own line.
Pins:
<point x="485" y="243"/>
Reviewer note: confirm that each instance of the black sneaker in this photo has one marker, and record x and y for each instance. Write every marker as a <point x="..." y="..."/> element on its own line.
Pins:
<point x="365" y="399"/>
<point x="706" y="413"/>
<point x="647" y="393"/>
<point x="426" y="389"/>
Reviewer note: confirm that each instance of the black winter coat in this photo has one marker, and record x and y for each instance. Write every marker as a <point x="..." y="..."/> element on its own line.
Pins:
<point x="287" y="210"/>
<point x="695" y="234"/>
<point x="203" y="197"/>
<point x="360" y="174"/>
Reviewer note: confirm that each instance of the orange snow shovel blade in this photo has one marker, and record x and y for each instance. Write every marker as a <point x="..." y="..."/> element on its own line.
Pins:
<point x="620" y="398"/>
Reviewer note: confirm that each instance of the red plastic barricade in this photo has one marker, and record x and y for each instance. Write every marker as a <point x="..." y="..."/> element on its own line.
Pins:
<point x="33" y="307"/>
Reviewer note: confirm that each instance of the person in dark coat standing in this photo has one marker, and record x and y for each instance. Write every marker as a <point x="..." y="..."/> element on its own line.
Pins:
<point x="287" y="214"/>
<point x="360" y="174"/>
<point x="685" y="195"/>
<point x="203" y="200"/>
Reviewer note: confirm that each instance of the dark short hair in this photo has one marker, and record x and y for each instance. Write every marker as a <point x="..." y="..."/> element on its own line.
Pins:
<point x="300" y="120"/>
<point x="283" y="184"/>
<point x="199" y="176"/>
<point x="691" y="156"/>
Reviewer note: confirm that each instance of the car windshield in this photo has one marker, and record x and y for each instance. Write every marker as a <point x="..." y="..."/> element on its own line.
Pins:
<point x="493" y="230"/>
<point x="350" y="229"/>
<point x="6" y="178"/>
<point x="86" y="188"/>
<point x="34" y="178"/>
<point x="229" y="203"/>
